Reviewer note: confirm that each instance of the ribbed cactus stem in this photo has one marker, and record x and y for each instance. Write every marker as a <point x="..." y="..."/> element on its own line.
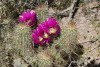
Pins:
<point x="60" y="40"/>
<point x="70" y="39"/>
<point x="44" y="58"/>
<point x="41" y="15"/>
<point x="67" y="42"/>
<point x="22" y="40"/>
<point x="48" y="57"/>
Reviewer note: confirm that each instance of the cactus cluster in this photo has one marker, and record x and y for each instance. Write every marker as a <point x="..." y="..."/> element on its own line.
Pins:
<point x="56" y="55"/>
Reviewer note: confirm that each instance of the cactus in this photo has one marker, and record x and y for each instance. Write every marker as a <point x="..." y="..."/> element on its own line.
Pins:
<point x="22" y="40"/>
<point x="67" y="43"/>
<point x="47" y="58"/>
<point x="41" y="13"/>
<point x="44" y="58"/>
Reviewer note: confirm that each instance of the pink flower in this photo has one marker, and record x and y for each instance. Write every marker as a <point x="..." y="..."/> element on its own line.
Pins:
<point x="39" y="31"/>
<point x="44" y="30"/>
<point x="37" y="39"/>
<point x="28" y="17"/>
<point x="22" y="17"/>
<point x="44" y="34"/>
<point x="50" y="26"/>
<point x="39" y="36"/>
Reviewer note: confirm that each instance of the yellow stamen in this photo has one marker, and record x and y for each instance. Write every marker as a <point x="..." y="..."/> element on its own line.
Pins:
<point x="52" y="30"/>
<point x="46" y="35"/>
<point x="40" y="38"/>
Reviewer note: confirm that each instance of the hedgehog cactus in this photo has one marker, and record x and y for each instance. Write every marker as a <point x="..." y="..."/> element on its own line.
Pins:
<point x="41" y="15"/>
<point x="44" y="58"/>
<point x="48" y="57"/>
<point x="66" y="44"/>
<point x="22" y="39"/>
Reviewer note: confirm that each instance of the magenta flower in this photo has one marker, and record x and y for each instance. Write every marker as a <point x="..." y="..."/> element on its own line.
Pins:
<point x="28" y="17"/>
<point x="44" y="34"/>
<point x="39" y="32"/>
<point x="50" y="26"/>
<point x="40" y="36"/>
<point x="37" y="39"/>
<point x="22" y="17"/>
<point x="44" y="30"/>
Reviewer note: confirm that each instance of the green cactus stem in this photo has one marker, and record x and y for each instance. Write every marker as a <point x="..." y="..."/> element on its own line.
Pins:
<point x="22" y="41"/>
<point x="48" y="57"/>
<point x="67" y="42"/>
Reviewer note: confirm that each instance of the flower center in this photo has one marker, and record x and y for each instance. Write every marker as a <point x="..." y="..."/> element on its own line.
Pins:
<point x="46" y="35"/>
<point x="52" y="30"/>
<point x="40" y="38"/>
